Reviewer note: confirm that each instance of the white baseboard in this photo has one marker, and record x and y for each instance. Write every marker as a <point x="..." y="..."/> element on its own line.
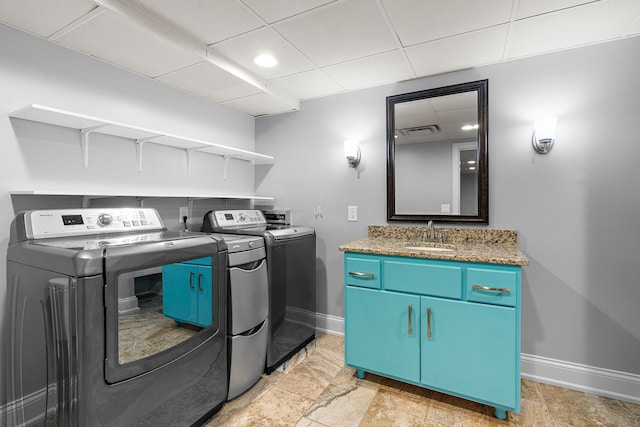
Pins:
<point x="589" y="379"/>
<point x="26" y="411"/>
<point x="329" y="324"/>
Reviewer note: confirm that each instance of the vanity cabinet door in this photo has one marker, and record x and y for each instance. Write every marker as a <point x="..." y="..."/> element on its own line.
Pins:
<point x="470" y="349"/>
<point x="382" y="332"/>
<point x="187" y="295"/>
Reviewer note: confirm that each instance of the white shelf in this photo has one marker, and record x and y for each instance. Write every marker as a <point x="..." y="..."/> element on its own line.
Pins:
<point x="143" y="196"/>
<point x="87" y="125"/>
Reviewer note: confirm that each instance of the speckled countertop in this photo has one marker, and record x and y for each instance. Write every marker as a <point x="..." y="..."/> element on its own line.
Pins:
<point x="468" y="244"/>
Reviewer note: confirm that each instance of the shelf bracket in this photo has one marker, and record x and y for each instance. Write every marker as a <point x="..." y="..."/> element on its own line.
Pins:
<point x="189" y="151"/>
<point x="226" y="162"/>
<point x="84" y="139"/>
<point x="139" y="144"/>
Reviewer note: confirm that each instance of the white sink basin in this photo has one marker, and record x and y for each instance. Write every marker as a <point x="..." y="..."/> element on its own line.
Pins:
<point x="431" y="247"/>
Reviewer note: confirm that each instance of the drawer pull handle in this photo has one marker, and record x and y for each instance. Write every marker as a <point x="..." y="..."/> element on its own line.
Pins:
<point x="428" y="323"/>
<point x="410" y="313"/>
<point x="488" y="288"/>
<point x="358" y="274"/>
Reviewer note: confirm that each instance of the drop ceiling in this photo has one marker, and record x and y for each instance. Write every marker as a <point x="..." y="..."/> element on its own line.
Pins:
<point x="205" y="47"/>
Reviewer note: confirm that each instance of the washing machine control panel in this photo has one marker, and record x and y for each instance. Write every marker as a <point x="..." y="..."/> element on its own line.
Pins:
<point x="235" y="218"/>
<point x="77" y="222"/>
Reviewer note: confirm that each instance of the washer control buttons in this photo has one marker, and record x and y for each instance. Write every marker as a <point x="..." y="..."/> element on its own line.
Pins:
<point x="104" y="219"/>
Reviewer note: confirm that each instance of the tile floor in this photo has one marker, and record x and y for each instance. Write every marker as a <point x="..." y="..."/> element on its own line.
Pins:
<point x="319" y="391"/>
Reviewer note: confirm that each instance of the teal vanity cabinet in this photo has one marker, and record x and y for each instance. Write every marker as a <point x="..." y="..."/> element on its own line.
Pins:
<point x="186" y="289"/>
<point x="451" y="326"/>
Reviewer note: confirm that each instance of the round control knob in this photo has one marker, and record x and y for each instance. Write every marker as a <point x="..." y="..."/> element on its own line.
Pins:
<point x="250" y="244"/>
<point x="104" y="220"/>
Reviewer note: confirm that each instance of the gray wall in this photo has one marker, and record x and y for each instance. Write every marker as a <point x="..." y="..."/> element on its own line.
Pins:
<point x="423" y="177"/>
<point x="576" y="208"/>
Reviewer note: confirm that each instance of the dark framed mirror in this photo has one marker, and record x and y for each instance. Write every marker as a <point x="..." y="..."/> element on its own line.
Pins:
<point x="437" y="154"/>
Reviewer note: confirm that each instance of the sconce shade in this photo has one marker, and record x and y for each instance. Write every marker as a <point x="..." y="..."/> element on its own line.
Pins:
<point x="544" y="134"/>
<point x="352" y="153"/>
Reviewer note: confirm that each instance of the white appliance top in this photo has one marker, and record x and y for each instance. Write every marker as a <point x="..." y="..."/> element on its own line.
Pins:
<point x="252" y="221"/>
<point x="239" y="218"/>
<point x="41" y="224"/>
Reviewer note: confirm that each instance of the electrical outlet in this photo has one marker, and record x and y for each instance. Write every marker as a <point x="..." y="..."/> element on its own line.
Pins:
<point x="184" y="211"/>
<point x="352" y="213"/>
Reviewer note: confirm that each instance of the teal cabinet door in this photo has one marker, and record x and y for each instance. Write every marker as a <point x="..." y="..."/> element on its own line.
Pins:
<point x="179" y="289"/>
<point x="470" y="349"/>
<point x="187" y="293"/>
<point x="205" y="302"/>
<point x="382" y="332"/>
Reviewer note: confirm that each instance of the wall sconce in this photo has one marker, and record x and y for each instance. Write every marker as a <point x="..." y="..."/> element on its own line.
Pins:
<point x="352" y="153"/>
<point x="544" y="133"/>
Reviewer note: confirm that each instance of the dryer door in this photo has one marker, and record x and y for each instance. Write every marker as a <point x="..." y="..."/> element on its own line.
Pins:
<point x="162" y="299"/>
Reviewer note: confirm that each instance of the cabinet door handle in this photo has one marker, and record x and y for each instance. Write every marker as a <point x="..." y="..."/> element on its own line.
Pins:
<point x="428" y="323"/>
<point x="191" y="280"/>
<point x="410" y="329"/>
<point x="200" y="282"/>
<point x="489" y="288"/>
<point x="358" y="274"/>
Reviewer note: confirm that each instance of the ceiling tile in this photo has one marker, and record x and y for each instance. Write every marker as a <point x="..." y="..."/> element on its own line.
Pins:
<point x="243" y="49"/>
<point x="208" y="21"/>
<point x="418" y="21"/>
<point x="459" y="52"/>
<point x="113" y="39"/>
<point x="340" y="32"/>
<point x="385" y="68"/>
<point x="43" y="17"/>
<point x="209" y="81"/>
<point x="310" y="84"/>
<point x="590" y="23"/>
<point x="527" y="8"/>
<point x="261" y="104"/>
<point x="276" y="10"/>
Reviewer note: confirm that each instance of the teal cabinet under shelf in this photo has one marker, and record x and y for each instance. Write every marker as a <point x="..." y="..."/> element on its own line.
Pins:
<point x="450" y="326"/>
<point x="187" y="294"/>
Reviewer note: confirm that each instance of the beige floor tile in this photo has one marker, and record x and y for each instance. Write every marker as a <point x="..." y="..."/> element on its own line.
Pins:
<point x="312" y="376"/>
<point x="306" y="422"/>
<point x="344" y="402"/>
<point x="274" y="408"/>
<point x="574" y="408"/>
<point x="321" y="392"/>
<point x="391" y="408"/>
<point x="452" y="411"/>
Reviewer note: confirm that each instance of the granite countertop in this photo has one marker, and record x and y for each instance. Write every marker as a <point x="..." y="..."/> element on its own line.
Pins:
<point x="469" y="244"/>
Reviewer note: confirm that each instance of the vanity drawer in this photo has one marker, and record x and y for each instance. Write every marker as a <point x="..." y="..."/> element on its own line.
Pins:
<point x="424" y="278"/>
<point x="362" y="272"/>
<point x="492" y="286"/>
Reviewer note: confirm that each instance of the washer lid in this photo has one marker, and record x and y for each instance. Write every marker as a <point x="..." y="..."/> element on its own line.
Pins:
<point x="239" y="242"/>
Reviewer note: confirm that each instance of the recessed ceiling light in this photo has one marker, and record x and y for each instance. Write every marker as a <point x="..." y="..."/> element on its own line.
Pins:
<point x="265" y="60"/>
<point x="469" y="127"/>
<point x="471" y="162"/>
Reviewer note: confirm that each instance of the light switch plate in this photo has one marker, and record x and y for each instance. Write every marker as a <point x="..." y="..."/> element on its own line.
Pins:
<point x="352" y="213"/>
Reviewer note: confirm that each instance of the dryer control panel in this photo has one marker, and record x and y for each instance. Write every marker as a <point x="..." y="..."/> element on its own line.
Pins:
<point x="76" y="222"/>
<point x="236" y="218"/>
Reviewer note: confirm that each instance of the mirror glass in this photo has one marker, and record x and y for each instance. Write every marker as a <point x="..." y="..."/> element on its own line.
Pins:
<point x="437" y="154"/>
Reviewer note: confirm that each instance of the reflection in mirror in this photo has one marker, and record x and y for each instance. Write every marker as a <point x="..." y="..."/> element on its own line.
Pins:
<point x="437" y="154"/>
<point x="159" y="307"/>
